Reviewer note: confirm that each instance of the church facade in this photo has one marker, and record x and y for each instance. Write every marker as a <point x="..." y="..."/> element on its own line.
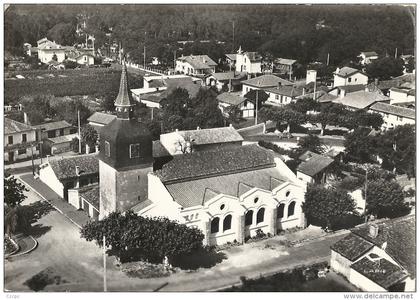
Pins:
<point x="230" y="193"/>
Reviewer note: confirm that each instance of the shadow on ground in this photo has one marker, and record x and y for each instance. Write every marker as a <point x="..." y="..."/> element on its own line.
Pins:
<point x="46" y="277"/>
<point x="204" y="258"/>
<point x="30" y="214"/>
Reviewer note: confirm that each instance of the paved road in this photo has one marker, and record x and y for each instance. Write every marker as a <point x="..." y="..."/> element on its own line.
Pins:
<point x="79" y="262"/>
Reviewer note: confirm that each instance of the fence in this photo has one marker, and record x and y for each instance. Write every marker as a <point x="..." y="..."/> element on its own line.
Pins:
<point x="148" y="69"/>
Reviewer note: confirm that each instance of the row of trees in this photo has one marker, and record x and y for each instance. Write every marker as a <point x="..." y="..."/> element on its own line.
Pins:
<point x="395" y="147"/>
<point x="277" y="29"/>
<point x="334" y="114"/>
<point x="332" y="207"/>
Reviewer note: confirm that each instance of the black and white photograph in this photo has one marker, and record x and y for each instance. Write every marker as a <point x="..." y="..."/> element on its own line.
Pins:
<point x="216" y="147"/>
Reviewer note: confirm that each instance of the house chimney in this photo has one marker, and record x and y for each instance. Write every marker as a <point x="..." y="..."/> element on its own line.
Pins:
<point x="77" y="170"/>
<point x="373" y="230"/>
<point x="303" y="92"/>
<point x="376" y="81"/>
<point x="198" y="128"/>
<point x="279" y="84"/>
<point x="25" y="118"/>
<point x="337" y="70"/>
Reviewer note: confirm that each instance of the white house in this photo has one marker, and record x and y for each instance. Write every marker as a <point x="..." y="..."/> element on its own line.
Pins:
<point x="227" y="100"/>
<point x="230" y="81"/>
<point x="368" y="57"/>
<point x="82" y="58"/>
<point x="249" y="62"/>
<point x="66" y="173"/>
<point x="394" y="115"/>
<point x="282" y="94"/>
<point x="187" y="141"/>
<point x="20" y="141"/>
<point x="263" y="82"/>
<point x="402" y="95"/>
<point x="227" y="201"/>
<point x="197" y="65"/>
<point x="349" y="76"/>
<point x="48" y="51"/>
<point x="379" y="257"/>
<point x="313" y="167"/>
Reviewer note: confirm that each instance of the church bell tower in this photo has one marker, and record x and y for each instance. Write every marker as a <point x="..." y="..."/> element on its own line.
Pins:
<point x="125" y="156"/>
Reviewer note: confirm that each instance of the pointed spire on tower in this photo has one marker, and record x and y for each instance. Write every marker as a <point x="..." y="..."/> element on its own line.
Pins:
<point x="240" y="50"/>
<point x="124" y="104"/>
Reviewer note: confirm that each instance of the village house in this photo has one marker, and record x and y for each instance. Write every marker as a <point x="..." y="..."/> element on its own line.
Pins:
<point x="249" y="62"/>
<point x="400" y="95"/>
<point x="100" y="119"/>
<point x="393" y="115"/>
<point x="361" y="99"/>
<point x="196" y="65"/>
<point x="231" y="60"/>
<point x="379" y="257"/>
<point x="283" y="94"/>
<point x="228" y="100"/>
<point x="62" y="174"/>
<point x="349" y="76"/>
<point x="314" y="168"/>
<point x="226" y="81"/>
<point x="284" y="66"/>
<point x="368" y="57"/>
<point x="187" y="141"/>
<point x="263" y="82"/>
<point x="81" y="57"/>
<point x="20" y="141"/>
<point x="48" y="51"/>
<point x="54" y="129"/>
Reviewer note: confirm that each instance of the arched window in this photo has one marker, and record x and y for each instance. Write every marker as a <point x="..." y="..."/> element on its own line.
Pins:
<point x="214" y="225"/>
<point x="260" y="215"/>
<point x="280" y="211"/>
<point x="248" y="217"/>
<point x="227" y="223"/>
<point x="291" y="209"/>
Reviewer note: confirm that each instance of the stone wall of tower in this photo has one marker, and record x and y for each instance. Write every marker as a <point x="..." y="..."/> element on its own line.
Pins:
<point x="107" y="189"/>
<point x="132" y="186"/>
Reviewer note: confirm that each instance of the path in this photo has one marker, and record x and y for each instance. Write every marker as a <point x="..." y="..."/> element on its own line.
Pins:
<point x="78" y="217"/>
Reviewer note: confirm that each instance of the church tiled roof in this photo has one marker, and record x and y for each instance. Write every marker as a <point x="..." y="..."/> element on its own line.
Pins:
<point x="214" y="162"/>
<point x="65" y="168"/>
<point x="124" y="96"/>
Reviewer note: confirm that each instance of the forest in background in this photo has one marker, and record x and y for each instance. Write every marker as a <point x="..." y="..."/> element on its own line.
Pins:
<point x="304" y="32"/>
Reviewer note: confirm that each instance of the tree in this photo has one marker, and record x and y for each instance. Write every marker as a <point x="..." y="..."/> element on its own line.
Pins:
<point x="38" y="108"/>
<point x="13" y="192"/>
<point x="89" y="135"/>
<point x="360" y="146"/>
<point x="311" y="143"/>
<point x="133" y="237"/>
<point x="385" y="68"/>
<point x="411" y="65"/>
<point x="252" y="96"/>
<point x="204" y="111"/>
<point x="397" y="148"/>
<point x="385" y="199"/>
<point x="330" y="114"/>
<point x="304" y="105"/>
<point x="174" y="109"/>
<point x="362" y="118"/>
<point x="234" y="114"/>
<point x="67" y="110"/>
<point x="324" y="205"/>
<point x="108" y="102"/>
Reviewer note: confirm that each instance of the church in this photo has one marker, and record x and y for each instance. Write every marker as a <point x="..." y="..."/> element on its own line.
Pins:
<point x="228" y="193"/>
<point x="228" y="190"/>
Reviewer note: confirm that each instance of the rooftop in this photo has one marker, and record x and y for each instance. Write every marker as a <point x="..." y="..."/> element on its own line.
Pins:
<point x="352" y="247"/>
<point x="101" y="118"/>
<point x="369" y="53"/>
<point x="231" y="56"/>
<point x="53" y="125"/>
<point x="394" y="110"/>
<point x="400" y="236"/>
<point x="63" y="138"/>
<point x="91" y="194"/>
<point x="380" y="271"/>
<point x="228" y="75"/>
<point x="253" y="56"/>
<point x="197" y="192"/>
<point x="266" y="81"/>
<point x="199" y="61"/>
<point x="313" y="163"/>
<point x="285" y="61"/>
<point x="361" y="99"/>
<point x="347" y="71"/>
<point x="65" y="168"/>
<point x="231" y="98"/>
<point x="12" y="126"/>
<point x="285" y="90"/>
<point x="203" y="164"/>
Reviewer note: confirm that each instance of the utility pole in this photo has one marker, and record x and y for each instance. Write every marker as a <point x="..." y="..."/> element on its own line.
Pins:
<point x="328" y="59"/>
<point x="32" y="156"/>
<point x="315" y="89"/>
<point x="104" y="254"/>
<point x="396" y="52"/>
<point x="366" y="184"/>
<point x="233" y="36"/>
<point x="256" y="107"/>
<point x="80" y="136"/>
<point x="174" y="60"/>
<point x="144" y="57"/>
